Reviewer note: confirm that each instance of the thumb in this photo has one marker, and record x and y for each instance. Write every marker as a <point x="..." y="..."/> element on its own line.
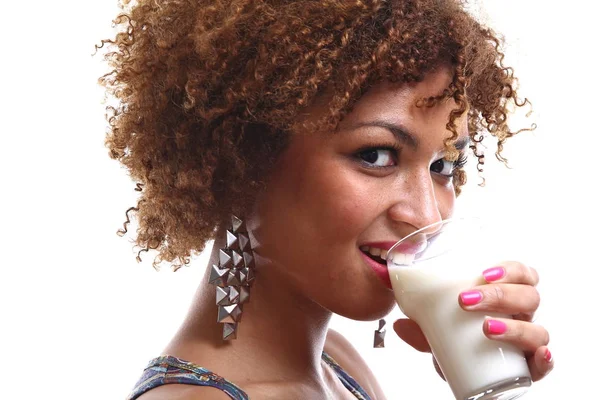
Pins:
<point x="409" y="331"/>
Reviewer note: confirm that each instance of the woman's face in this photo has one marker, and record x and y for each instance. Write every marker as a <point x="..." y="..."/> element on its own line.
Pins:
<point x="332" y="194"/>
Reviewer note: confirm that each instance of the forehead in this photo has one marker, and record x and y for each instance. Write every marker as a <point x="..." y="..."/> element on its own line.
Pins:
<point x="398" y="102"/>
<point x="394" y="103"/>
<point x="391" y="97"/>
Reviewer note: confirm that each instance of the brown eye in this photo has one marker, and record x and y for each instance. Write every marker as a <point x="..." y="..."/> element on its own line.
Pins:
<point x="447" y="168"/>
<point x="439" y="166"/>
<point x="377" y="157"/>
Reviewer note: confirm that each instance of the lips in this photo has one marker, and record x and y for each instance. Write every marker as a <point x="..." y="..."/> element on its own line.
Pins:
<point x="376" y="253"/>
<point x="380" y="269"/>
<point x="405" y="247"/>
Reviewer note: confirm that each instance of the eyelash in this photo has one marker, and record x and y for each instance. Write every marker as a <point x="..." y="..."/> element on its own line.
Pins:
<point x="461" y="161"/>
<point x="394" y="148"/>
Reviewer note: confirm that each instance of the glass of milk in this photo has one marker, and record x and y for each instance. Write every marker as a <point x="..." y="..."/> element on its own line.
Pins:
<point x="428" y="270"/>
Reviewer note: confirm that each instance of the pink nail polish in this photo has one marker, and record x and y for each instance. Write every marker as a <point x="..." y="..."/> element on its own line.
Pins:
<point x="471" y="298"/>
<point x="493" y="274"/>
<point x="495" y="327"/>
<point x="548" y="356"/>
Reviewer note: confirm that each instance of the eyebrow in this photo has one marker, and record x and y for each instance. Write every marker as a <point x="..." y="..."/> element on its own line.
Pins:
<point x="462" y="142"/>
<point x="404" y="135"/>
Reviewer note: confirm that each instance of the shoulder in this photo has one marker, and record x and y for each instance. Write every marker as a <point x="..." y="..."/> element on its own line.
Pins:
<point x="184" y="392"/>
<point x="344" y="353"/>
<point x="253" y="391"/>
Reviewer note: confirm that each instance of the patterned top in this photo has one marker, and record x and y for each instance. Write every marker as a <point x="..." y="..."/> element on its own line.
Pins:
<point x="167" y="369"/>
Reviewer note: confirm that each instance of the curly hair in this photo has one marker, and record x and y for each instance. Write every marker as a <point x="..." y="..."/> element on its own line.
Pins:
<point x="208" y="92"/>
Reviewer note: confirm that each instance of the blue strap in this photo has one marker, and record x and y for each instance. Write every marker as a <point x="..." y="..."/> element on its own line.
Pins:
<point x="167" y="369"/>
<point x="164" y="370"/>
<point x="346" y="379"/>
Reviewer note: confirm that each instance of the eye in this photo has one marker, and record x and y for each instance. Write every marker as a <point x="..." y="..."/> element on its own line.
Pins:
<point x="447" y="168"/>
<point x="378" y="157"/>
<point x="443" y="167"/>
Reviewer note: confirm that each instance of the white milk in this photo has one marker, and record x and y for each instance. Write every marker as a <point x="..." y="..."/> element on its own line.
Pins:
<point x="470" y="361"/>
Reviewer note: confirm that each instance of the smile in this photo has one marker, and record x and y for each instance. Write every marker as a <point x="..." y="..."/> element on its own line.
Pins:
<point x="380" y="255"/>
<point x="379" y="267"/>
<point x="376" y="254"/>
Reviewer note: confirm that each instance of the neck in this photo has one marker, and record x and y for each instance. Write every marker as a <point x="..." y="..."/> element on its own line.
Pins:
<point x="278" y="322"/>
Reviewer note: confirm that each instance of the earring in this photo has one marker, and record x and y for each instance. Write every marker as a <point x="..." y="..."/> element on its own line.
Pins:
<point x="379" y="337"/>
<point x="233" y="277"/>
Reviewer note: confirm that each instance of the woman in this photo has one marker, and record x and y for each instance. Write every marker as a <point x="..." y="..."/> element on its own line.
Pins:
<point x="328" y="128"/>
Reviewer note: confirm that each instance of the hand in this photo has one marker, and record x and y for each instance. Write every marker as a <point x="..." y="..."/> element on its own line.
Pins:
<point x="509" y="289"/>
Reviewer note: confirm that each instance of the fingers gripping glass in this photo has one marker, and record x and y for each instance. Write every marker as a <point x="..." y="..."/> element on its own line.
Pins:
<point x="429" y="269"/>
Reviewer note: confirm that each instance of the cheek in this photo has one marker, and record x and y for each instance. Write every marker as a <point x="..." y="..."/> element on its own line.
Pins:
<point x="347" y="206"/>
<point x="446" y="198"/>
<point x="320" y="204"/>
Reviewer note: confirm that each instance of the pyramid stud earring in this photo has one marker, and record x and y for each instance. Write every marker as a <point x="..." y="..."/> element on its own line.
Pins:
<point x="379" y="337"/>
<point x="233" y="277"/>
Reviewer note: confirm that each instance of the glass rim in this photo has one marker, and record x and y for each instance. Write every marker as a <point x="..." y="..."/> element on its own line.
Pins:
<point x="420" y="246"/>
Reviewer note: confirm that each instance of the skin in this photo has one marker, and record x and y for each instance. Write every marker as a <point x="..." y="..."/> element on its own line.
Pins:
<point x="324" y="200"/>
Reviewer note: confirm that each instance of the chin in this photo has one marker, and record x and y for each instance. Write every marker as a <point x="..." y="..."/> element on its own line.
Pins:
<point x="371" y="310"/>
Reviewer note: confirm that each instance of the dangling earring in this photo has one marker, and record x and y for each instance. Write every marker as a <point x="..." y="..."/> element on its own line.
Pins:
<point x="233" y="277"/>
<point x="379" y="337"/>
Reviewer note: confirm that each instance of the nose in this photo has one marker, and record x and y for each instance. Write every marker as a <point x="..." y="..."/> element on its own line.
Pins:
<point x="417" y="204"/>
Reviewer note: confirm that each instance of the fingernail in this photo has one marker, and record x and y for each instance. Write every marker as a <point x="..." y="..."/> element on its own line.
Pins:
<point x="495" y="327"/>
<point x="548" y="356"/>
<point x="493" y="274"/>
<point x="471" y="298"/>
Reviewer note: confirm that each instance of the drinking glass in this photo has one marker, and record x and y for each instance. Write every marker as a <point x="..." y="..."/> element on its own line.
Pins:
<point x="429" y="269"/>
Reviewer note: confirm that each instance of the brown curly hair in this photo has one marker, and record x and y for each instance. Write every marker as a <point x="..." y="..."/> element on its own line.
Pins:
<point x="208" y="92"/>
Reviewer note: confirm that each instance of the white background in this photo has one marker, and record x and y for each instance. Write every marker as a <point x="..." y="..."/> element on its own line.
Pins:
<point x="80" y="318"/>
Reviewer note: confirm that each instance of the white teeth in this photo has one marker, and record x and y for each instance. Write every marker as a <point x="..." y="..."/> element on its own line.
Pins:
<point x="375" y="251"/>
<point x="403" y="259"/>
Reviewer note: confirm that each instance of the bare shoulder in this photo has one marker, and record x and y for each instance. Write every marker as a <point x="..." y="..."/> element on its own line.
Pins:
<point x="344" y="353"/>
<point x="184" y="392"/>
<point x="191" y="392"/>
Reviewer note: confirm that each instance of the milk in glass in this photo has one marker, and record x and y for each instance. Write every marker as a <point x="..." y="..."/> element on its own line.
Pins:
<point x="428" y="293"/>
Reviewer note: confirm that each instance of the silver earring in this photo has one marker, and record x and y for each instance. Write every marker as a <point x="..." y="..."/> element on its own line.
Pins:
<point x="379" y="337"/>
<point x="233" y="277"/>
